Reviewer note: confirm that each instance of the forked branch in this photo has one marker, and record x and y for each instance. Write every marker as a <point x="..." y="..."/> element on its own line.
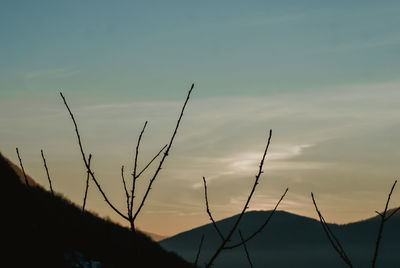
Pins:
<point x="164" y="156"/>
<point x="245" y="249"/>
<point x="227" y="238"/>
<point x="384" y="218"/>
<point x="87" y="185"/>
<point x="130" y="217"/>
<point x="331" y="237"/>
<point x="85" y="161"/>
<point x="134" y="176"/>
<point x="259" y="230"/>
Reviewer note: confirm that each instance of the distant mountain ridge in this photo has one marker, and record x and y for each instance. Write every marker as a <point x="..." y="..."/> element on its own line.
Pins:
<point x="42" y="230"/>
<point x="291" y="240"/>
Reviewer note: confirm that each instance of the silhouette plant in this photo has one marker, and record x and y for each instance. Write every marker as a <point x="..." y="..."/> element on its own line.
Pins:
<point x="131" y="215"/>
<point x="47" y="172"/>
<point x="245" y="249"/>
<point x="384" y="217"/>
<point x="225" y="239"/>
<point x="22" y="168"/>
<point x="87" y="185"/>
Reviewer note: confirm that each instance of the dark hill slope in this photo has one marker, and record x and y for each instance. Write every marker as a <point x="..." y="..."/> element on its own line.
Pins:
<point x="39" y="230"/>
<point x="292" y="241"/>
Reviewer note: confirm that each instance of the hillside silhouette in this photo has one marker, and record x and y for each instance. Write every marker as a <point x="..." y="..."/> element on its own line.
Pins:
<point x="42" y="230"/>
<point x="291" y="240"/>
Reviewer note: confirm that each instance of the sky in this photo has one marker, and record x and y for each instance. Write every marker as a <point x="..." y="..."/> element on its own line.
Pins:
<point x="323" y="75"/>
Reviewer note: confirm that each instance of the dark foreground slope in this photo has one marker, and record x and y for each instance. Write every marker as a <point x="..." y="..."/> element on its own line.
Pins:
<point x="39" y="230"/>
<point x="292" y="241"/>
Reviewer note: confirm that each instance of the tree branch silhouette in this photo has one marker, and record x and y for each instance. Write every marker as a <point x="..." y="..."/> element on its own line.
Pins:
<point x="245" y="249"/>
<point x="199" y="250"/>
<point x="164" y="156"/>
<point x="227" y="238"/>
<point x="126" y="191"/>
<point x="87" y="185"/>
<point x="134" y="177"/>
<point x="47" y="172"/>
<point x="384" y="219"/>
<point x="331" y="237"/>
<point x="209" y="212"/>
<point x="262" y="226"/>
<point x="130" y="217"/>
<point x="22" y="167"/>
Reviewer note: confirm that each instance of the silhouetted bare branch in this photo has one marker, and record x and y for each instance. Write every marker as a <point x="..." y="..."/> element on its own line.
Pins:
<point x="47" y="172"/>
<point x="245" y="249"/>
<point x="393" y="213"/>
<point x="134" y="176"/>
<point x="262" y="226"/>
<point x="199" y="250"/>
<point x="245" y="207"/>
<point x="331" y="237"/>
<point x="87" y="185"/>
<point x="384" y="219"/>
<point x="164" y="156"/>
<point x="22" y="167"/>
<point x="126" y="192"/>
<point x="151" y="161"/>
<point x="209" y="212"/>
<point x="86" y="161"/>
<point x="130" y="217"/>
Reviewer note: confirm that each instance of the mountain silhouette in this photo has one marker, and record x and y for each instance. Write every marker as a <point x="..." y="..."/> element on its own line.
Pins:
<point x="42" y="230"/>
<point x="291" y="240"/>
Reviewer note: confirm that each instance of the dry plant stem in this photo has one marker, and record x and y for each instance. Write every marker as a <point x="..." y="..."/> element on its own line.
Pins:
<point x="209" y="212"/>
<point x="384" y="218"/>
<point x="199" y="250"/>
<point x="134" y="176"/>
<point x="47" y="172"/>
<point x="22" y="167"/>
<point x="151" y="161"/>
<point x="164" y="156"/>
<point x="228" y="237"/>
<point x="87" y="164"/>
<point x="245" y="249"/>
<point x="126" y="191"/>
<point x="87" y="186"/>
<point x="331" y="237"/>
<point x="261" y="227"/>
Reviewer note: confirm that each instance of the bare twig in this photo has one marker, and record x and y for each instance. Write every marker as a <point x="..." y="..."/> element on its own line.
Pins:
<point x="384" y="218"/>
<point x="393" y="213"/>
<point x="86" y="161"/>
<point x="151" y="161"/>
<point x="331" y="237"/>
<point x="130" y="217"/>
<point x="22" y="167"/>
<point x="245" y="207"/>
<point x="245" y="249"/>
<point x="87" y="186"/>
<point x="134" y="176"/>
<point x="262" y="226"/>
<point x="209" y="212"/>
<point x="47" y="172"/>
<point x="164" y="156"/>
<point x="199" y="250"/>
<point x="126" y="191"/>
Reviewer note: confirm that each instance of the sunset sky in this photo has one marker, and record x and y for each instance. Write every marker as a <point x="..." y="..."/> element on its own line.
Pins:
<point x="323" y="75"/>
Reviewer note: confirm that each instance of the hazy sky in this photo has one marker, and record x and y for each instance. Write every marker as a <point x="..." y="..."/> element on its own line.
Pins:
<point x="323" y="75"/>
